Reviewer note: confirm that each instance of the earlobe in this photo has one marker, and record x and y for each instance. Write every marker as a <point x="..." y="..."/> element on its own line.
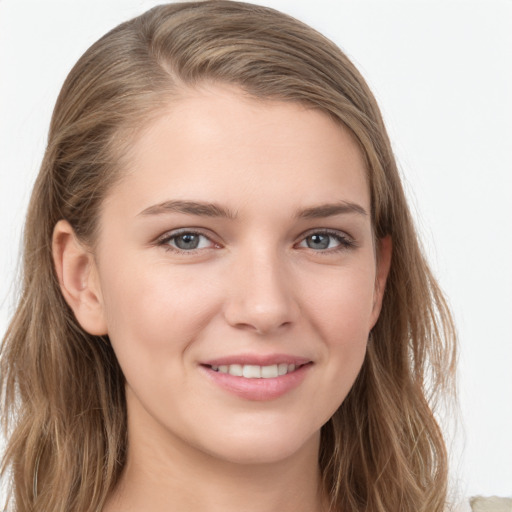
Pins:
<point x="384" y="254"/>
<point x="78" y="279"/>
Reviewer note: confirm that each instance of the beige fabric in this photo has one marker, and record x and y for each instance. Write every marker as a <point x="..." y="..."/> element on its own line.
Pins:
<point x="492" y="504"/>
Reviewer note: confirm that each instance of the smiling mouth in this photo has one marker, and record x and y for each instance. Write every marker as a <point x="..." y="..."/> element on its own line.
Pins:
<point x="252" y="371"/>
<point x="274" y="376"/>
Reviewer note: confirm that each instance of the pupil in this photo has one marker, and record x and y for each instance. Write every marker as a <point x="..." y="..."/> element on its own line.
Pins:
<point x="187" y="241"/>
<point x="318" y="242"/>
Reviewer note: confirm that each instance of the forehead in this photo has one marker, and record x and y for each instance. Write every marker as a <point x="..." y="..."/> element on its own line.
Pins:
<point x="217" y="143"/>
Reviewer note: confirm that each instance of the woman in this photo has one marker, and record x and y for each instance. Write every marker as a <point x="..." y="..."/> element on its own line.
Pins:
<point x="225" y="305"/>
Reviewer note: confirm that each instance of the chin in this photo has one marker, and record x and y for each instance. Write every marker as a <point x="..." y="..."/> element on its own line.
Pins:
<point x="263" y="447"/>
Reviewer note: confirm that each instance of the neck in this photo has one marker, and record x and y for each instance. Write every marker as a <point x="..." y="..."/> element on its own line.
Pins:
<point x="166" y="476"/>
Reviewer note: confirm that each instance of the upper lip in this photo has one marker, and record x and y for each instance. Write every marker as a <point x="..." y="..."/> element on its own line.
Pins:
<point x="257" y="360"/>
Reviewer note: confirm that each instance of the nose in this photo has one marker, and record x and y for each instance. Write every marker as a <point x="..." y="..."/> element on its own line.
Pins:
<point x="261" y="297"/>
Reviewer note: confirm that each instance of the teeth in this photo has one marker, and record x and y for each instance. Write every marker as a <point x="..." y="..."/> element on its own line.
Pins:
<point x="252" y="371"/>
<point x="269" y="372"/>
<point x="236" y="369"/>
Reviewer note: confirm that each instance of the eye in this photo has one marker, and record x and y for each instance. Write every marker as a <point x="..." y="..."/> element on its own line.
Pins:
<point x="326" y="240"/>
<point x="186" y="241"/>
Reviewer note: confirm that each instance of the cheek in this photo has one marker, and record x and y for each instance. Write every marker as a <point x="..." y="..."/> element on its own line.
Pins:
<point x="342" y="315"/>
<point x="153" y="312"/>
<point x="342" y="308"/>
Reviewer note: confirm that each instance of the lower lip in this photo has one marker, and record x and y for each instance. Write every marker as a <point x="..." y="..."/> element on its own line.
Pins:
<point x="258" y="389"/>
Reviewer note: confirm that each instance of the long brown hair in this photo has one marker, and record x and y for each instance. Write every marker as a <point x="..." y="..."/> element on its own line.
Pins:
<point x="63" y="391"/>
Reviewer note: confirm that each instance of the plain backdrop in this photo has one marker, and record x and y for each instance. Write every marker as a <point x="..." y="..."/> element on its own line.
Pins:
<point x="442" y="73"/>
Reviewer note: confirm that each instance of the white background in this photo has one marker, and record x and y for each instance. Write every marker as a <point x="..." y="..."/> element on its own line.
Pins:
<point x="442" y="73"/>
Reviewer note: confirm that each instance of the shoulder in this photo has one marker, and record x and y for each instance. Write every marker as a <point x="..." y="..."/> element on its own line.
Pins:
<point x="491" y="504"/>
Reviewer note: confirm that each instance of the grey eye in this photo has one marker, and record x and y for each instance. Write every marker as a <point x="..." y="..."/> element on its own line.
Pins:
<point x="323" y="241"/>
<point x="318" y="241"/>
<point x="187" y="241"/>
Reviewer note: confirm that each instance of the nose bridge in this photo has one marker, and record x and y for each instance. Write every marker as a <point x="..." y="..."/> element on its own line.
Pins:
<point x="261" y="293"/>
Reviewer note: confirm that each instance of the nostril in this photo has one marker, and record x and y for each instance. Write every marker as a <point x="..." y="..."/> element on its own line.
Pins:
<point x="264" y="307"/>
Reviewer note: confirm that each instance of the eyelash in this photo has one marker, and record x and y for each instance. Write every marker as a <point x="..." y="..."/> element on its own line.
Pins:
<point x="344" y="241"/>
<point x="165" y="240"/>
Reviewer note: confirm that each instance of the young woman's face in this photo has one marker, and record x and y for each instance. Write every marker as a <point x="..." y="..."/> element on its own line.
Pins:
<point x="237" y="275"/>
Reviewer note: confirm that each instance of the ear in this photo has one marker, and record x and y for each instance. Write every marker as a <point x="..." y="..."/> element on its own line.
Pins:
<point x="384" y="252"/>
<point x="78" y="279"/>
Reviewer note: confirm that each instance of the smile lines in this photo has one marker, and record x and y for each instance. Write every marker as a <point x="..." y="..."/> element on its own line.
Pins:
<point x="252" y="371"/>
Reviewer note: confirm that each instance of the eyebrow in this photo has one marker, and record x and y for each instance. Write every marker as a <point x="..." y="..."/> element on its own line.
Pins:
<point x="214" y="210"/>
<point x="190" y="208"/>
<point x="331" y="209"/>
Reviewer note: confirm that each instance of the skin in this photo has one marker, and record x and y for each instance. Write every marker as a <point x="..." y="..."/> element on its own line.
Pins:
<point x="260" y="282"/>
